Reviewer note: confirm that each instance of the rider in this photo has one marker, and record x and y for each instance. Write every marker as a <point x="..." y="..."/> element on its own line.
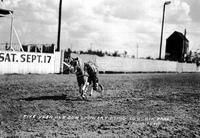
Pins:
<point x="92" y="71"/>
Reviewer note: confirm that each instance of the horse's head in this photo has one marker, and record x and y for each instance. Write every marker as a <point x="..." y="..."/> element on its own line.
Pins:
<point x="75" y="63"/>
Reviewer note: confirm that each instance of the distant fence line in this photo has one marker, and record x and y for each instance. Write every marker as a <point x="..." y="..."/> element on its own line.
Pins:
<point x="43" y="63"/>
<point x="119" y="64"/>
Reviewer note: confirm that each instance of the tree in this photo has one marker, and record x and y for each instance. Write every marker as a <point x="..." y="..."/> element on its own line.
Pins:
<point x="116" y="54"/>
<point x="149" y="57"/>
<point x="125" y="54"/>
<point x="196" y="58"/>
<point x="108" y="54"/>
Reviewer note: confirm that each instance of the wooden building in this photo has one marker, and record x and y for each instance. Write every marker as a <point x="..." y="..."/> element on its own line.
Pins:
<point x="177" y="46"/>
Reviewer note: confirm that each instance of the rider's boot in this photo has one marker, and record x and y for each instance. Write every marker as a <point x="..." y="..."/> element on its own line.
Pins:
<point x="83" y="95"/>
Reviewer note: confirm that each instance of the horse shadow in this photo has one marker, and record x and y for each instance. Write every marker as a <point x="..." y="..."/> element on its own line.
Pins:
<point x="53" y="97"/>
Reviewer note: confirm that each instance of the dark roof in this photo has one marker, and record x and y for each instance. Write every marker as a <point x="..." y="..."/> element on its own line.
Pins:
<point x="4" y="12"/>
<point x="178" y="34"/>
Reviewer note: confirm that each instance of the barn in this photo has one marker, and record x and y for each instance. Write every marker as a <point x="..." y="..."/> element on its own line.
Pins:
<point x="176" y="47"/>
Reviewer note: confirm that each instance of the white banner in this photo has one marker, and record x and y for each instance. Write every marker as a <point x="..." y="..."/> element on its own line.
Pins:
<point x="26" y="62"/>
<point x="25" y="57"/>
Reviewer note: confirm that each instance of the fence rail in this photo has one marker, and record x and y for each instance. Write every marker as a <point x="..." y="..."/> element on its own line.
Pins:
<point x="119" y="64"/>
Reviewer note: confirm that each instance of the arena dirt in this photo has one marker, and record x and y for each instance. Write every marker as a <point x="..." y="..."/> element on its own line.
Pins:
<point x="132" y="105"/>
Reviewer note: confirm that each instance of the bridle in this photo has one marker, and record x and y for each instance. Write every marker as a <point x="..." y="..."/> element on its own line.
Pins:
<point x="75" y="63"/>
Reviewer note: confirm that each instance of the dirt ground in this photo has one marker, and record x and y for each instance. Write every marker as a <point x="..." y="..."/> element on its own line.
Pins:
<point x="132" y="105"/>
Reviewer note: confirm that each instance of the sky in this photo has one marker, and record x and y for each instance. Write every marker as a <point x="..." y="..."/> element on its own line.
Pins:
<point x="107" y="25"/>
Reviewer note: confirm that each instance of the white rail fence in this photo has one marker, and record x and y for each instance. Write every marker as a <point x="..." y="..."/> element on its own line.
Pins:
<point x="119" y="64"/>
<point x="44" y="63"/>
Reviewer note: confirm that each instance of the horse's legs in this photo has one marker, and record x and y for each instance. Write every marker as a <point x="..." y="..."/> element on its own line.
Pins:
<point x="91" y="91"/>
<point x="80" y="90"/>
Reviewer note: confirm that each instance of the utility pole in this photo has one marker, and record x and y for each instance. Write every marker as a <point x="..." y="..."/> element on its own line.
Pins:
<point x="11" y="31"/>
<point x="59" y="25"/>
<point x="91" y="44"/>
<point x="137" y="51"/>
<point x="163" y="18"/>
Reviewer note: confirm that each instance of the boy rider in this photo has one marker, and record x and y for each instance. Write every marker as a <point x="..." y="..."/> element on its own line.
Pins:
<point x="88" y="69"/>
<point x="92" y="71"/>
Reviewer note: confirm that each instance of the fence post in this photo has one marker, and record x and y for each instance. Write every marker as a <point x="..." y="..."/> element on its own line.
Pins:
<point x="61" y="62"/>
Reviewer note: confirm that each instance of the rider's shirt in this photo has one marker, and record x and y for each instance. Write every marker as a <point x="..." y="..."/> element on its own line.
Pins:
<point x="90" y="68"/>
